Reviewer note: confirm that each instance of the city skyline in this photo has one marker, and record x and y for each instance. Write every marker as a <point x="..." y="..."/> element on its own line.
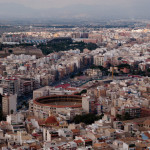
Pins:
<point x="74" y="75"/>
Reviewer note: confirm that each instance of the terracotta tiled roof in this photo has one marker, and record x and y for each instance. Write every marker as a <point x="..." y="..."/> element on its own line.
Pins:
<point x="51" y="120"/>
<point x="78" y="141"/>
<point x="41" y="122"/>
<point x="100" y="144"/>
<point x="75" y="130"/>
<point x="147" y="122"/>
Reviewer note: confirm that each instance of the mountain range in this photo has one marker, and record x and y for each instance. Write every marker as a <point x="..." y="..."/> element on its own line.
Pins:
<point x="109" y="11"/>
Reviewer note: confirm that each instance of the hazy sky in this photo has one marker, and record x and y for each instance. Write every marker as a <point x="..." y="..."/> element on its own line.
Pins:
<point x="88" y="8"/>
<point x="61" y="3"/>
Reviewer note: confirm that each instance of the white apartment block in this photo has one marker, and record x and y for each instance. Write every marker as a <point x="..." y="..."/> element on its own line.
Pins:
<point x="9" y="103"/>
<point x="98" y="60"/>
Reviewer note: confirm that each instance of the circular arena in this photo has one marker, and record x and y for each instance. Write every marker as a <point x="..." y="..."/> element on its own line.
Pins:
<point x="59" y="101"/>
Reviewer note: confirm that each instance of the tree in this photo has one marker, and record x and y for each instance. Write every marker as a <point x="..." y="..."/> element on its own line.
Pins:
<point x="72" y="76"/>
<point x="79" y="73"/>
<point x="82" y="92"/>
<point x="87" y="119"/>
<point x="19" y="107"/>
<point x="1" y="46"/>
<point x="10" y="51"/>
<point x="148" y="70"/>
<point x="12" y="111"/>
<point x="1" y="99"/>
<point x="65" y="44"/>
<point x="1" y="113"/>
<point x="124" y="66"/>
<point x="127" y="116"/>
<point x="91" y="46"/>
<point x="119" y="58"/>
<point x="119" y="117"/>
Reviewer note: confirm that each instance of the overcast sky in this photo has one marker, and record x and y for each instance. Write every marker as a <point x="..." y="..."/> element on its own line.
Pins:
<point x="61" y="3"/>
<point x="72" y="8"/>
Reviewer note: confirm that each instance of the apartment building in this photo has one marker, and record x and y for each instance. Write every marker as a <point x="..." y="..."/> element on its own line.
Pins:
<point x="9" y="104"/>
<point x="99" y="60"/>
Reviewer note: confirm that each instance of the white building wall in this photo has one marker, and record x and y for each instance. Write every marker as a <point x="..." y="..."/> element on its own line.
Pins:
<point x="1" y="91"/>
<point x="13" y="103"/>
<point x="85" y="104"/>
